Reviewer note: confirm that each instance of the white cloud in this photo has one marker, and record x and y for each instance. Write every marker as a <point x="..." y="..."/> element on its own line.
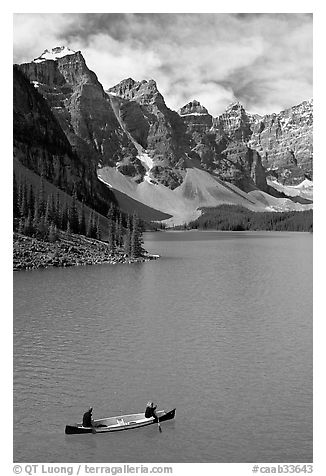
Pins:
<point x="263" y="60"/>
<point x="33" y="33"/>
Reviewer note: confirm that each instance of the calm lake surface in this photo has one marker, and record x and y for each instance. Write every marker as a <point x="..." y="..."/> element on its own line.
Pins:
<point x="219" y="327"/>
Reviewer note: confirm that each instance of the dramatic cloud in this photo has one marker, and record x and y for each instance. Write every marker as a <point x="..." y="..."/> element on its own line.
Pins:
<point x="263" y="60"/>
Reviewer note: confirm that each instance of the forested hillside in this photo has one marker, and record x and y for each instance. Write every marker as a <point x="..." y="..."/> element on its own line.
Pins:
<point x="231" y="217"/>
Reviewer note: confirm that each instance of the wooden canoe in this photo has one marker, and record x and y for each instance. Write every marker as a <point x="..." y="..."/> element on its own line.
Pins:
<point x="119" y="423"/>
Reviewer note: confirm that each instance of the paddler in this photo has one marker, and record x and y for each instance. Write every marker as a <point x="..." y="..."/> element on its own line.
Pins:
<point x="87" y="418"/>
<point x="150" y="411"/>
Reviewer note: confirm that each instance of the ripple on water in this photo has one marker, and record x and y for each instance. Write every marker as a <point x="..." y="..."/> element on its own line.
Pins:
<point x="220" y="327"/>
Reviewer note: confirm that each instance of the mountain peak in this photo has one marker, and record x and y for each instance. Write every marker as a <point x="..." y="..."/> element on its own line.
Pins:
<point x="54" y="54"/>
<point x="129" y="81"/>
<point x="122" y="88"/>
<point x="233" y="106"/>
<point x="142" y="91"/>
<point x="193" y="108"/>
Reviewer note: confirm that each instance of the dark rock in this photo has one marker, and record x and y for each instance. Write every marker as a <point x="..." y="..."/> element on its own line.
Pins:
<point x="144" y="114"/>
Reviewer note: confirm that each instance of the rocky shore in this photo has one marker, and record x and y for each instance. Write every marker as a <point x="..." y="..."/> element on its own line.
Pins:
<point x="68" y="250"/>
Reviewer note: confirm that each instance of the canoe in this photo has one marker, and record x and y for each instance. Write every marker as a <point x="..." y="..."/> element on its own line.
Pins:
<point x="119" y="423"/>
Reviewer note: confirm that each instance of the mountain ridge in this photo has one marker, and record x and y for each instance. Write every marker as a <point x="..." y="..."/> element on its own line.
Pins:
<point x="129" y="129"/>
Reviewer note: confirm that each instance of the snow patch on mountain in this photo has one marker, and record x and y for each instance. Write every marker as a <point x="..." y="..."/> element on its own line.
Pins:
<point x="273" y="204"/>
<point x="303" y="189"/>
<point x="146" y="160"/>
<point x="193" y="114"/>
<point x="54" y="54"/>
<point x="147" y="163"/>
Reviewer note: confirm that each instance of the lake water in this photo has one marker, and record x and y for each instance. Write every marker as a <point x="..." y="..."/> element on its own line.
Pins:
<point x="219" y="327"/>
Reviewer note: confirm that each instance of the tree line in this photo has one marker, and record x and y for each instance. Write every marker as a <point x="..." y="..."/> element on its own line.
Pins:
<point x="237" y="218"/>
<point x="43" y="216"/>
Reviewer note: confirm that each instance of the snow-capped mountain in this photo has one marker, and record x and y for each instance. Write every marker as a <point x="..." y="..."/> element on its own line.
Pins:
<point x="54" y="54"/>
<point x="175" y="162"/>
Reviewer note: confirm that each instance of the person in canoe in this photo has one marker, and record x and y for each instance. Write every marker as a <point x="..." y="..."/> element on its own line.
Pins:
<point x="150" y="411"/>
<point x="87" y="417"/>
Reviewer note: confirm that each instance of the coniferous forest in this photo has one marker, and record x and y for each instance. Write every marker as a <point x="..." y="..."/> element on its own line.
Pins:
<point x="43" y="216"/>
<point x="53" y="218"/>
<point x="237" y="218"/>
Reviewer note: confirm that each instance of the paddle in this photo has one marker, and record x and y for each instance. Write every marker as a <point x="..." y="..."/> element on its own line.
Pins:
<point x="159" y="425"/>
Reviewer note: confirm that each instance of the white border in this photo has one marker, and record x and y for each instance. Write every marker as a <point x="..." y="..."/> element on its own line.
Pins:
<point x="319" y="173"/>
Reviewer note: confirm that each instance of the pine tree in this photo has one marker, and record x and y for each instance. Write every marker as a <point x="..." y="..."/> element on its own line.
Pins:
<point x="41" y="198"/>
<point x="48" y="211"/>
<point x="127" y="238"/>
<point x="82" y="221"/>
<point x="23" y="205"/>
<point x="53" y="210"/>
<point x="57" y="217"/>
<point x="90" y="225"/>
<point x="68" y="230"/>
<point x="42" y="228"/>
<point x="136" y="238"/>
<point x="15" y="198"/>
<point x="28" y="225"/>
<point x="64" y="217"/>
<point x="73" y="215"/>
<point x="20" y="195"/>
<point x="31" y="200"/>
<point x="21" y="225"/>
<point x="53" y="233"/>
<point x="36" y="215"/>
<point x="111" y="240"/>
<point x="118" y="231"/>
<point x="98" y="228"/>
<point x="111" y="212"/>
<point x="111" y="229"/>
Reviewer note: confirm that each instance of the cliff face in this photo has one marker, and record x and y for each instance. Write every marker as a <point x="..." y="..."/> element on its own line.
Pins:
<point x="81" y="106"/>
<point x="285" y="142"/>
<point x="144" y="114"/>
<point x="234" y="123"/>
<point x="41" y="145"/>
<point x="219" y="144"/>
<point x="131" y="133"/>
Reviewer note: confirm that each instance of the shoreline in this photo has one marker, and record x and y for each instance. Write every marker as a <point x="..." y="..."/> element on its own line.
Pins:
<point x="70" y="250"/>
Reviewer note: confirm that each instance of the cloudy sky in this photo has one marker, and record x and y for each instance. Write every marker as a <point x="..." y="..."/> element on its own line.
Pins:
<point x="262" y="60"/>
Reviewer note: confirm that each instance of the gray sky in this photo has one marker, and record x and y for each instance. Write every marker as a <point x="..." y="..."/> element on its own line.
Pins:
<point x="262" y="60"/>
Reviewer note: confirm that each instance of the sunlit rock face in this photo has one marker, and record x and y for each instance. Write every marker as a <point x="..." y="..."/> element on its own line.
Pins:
<point x="234" y="122"/>
<point x="129" y="126"/>
<point x="285" y="142"/>
<point x="144" y="115"/>
<point x="221" y="144"/>
<point x="83" y="109"/>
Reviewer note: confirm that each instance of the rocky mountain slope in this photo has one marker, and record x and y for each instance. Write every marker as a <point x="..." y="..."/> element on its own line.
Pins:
<point x="284" y="141"/>
<point x="153" y="126"/>
<point x="41" y="145"/>
<point x="174" y="162"/>
<point x="219" y="145"/>
<point x="78" y="101"/>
